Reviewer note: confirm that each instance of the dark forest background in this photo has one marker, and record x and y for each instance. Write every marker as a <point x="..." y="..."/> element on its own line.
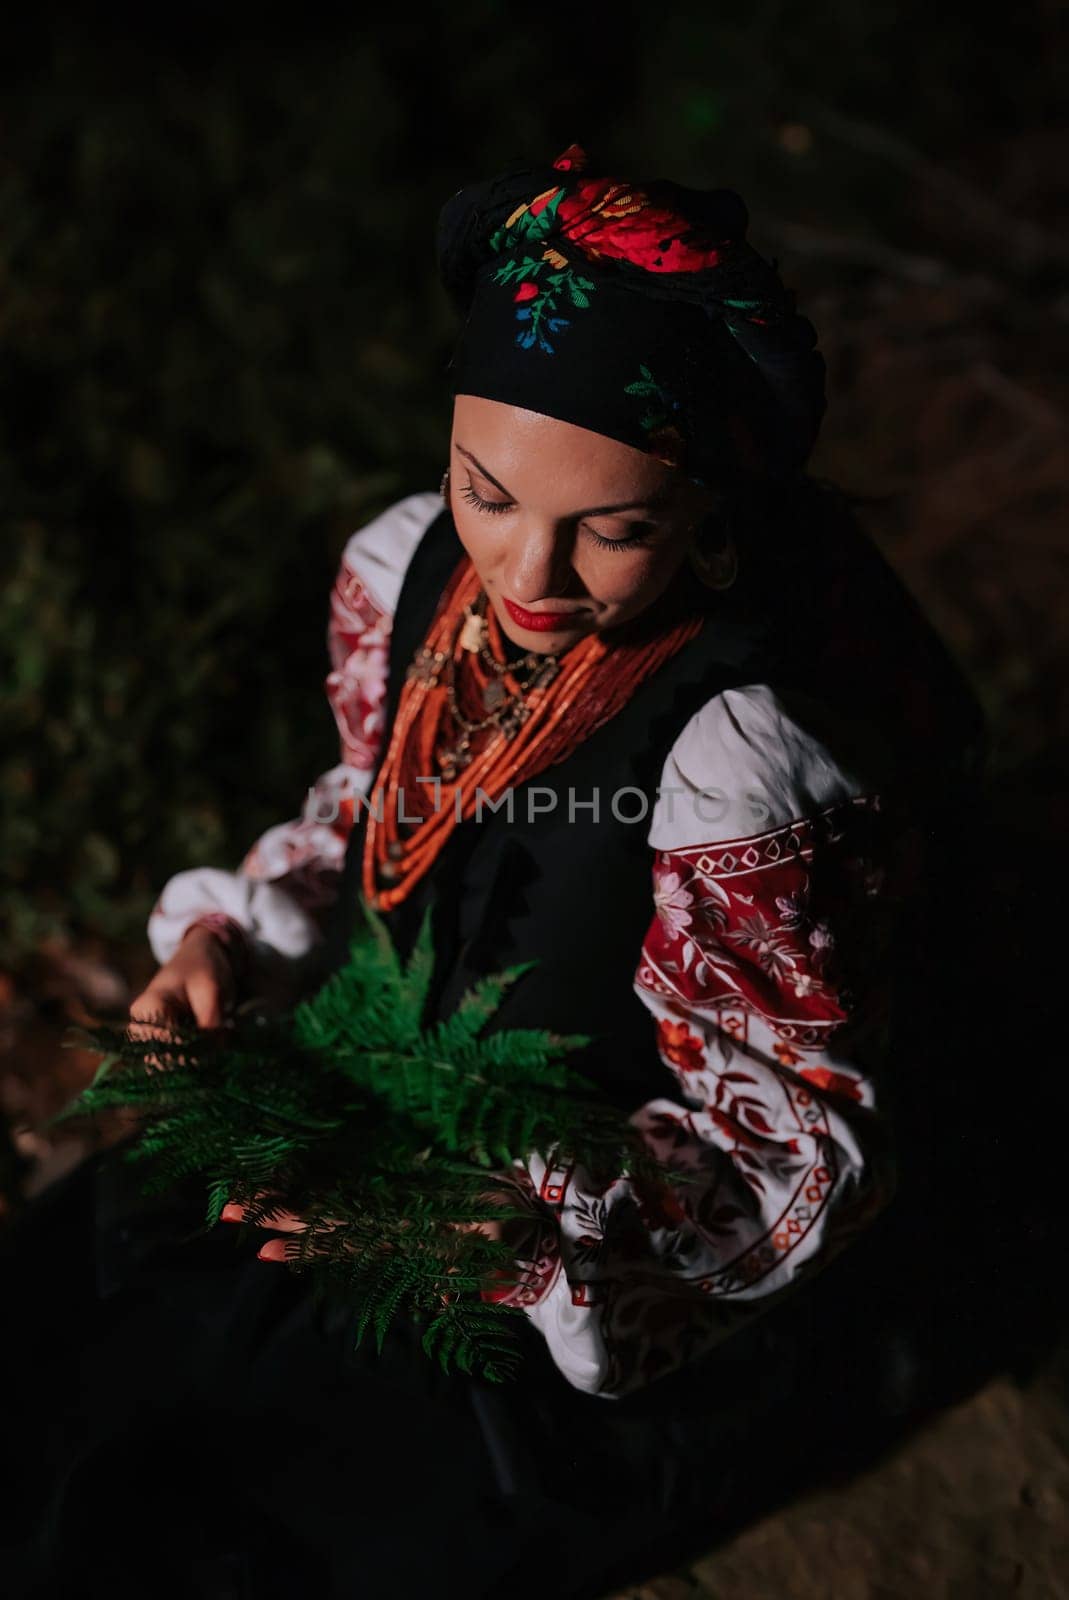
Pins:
<point x="222" y="349"/>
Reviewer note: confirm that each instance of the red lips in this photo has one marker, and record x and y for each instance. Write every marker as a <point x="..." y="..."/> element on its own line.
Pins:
<point x="539" y="621"/>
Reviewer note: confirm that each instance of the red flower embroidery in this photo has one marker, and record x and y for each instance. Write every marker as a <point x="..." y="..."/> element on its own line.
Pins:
<point x="833" y="1082"/>
<point x="608" y="218"/>
<point x="574" y="159"/>
<point x="733" y="1128"/>
<point x="541" y="201"/>
<point x="683" y="1049"/>
<point x="526" y="291"/>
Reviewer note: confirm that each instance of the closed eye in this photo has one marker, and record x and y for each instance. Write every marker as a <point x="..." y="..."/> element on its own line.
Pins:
<point x="629" y="543"/>
<point x="471" y="494"/>
<point x="494" y="507"/>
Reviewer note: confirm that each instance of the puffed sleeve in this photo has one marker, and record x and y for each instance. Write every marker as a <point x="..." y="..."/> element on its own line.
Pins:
<point x="276" y="900"/>
<point x="775" y="877"/>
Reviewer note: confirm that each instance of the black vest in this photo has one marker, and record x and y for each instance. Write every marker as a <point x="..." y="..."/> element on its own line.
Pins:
<point x="574" y="892"/>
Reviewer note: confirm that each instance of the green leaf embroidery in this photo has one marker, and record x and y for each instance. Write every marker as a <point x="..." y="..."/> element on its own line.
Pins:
<point x="528" y="227"/>
<point x="539" y="316"/>
<point x="647" y="388"/>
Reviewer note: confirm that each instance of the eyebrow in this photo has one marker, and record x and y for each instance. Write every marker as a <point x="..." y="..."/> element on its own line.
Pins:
<point x="653" y="502"/>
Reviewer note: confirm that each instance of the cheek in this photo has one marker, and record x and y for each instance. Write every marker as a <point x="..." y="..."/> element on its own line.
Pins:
<point x="482" y="540"/>
<point x="628" y="580"/>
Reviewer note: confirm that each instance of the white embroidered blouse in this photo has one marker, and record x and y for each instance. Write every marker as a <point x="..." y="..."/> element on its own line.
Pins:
<point x="772" y="1065"/>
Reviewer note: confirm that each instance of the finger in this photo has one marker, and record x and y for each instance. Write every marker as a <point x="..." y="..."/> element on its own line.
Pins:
<point x="279" y="1221"/>
<point x="159" y="1009"/>
<point x="139" y="1030"/>
<point x="491" y="1228"/>
<point x="156" y="1023"/>
<point x="205" y="999"/>
<point x="273" y="1250"/>
<point x="158" y="1016"/>
<point x="285" y="1222"/>
<point x="145" y="1030"/>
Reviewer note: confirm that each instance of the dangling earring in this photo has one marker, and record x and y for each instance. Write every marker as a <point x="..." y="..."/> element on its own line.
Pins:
<point x="443" y="487"/>
<point x="716" y="569"/>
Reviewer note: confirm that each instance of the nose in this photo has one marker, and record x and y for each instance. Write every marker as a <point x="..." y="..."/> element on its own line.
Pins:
<point x="538" y="565"/>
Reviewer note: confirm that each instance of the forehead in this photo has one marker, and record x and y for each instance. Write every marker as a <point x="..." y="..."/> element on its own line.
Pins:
<point x="543" y="458"/>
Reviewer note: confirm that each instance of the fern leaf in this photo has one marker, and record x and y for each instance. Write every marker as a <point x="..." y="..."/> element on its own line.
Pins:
<point x="417" y="977"/>
<point x="377" y="1131"/>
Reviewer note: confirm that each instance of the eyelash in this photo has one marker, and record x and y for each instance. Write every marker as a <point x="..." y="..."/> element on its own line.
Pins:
<point x="495" y="507"/>
<point x="477" y="500"/>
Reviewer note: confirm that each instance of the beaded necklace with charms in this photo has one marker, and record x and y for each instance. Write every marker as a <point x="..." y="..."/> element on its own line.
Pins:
<point x="469" y="719"/>
<point x="501" y="686"/>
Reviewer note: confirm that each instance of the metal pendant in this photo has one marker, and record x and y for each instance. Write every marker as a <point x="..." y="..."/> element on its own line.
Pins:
<point x="451" y="762"/>
<point x="494" y="694"/>
<point x="514" y="720"/>
<point x="426" y="665"/>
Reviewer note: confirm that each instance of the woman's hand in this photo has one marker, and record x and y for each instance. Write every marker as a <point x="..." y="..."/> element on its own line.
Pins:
<point x="198" y="984"/>
<point x="513" y="1230"/>
<point x="290" y="1222"/>
<point x="278" y="1222"/>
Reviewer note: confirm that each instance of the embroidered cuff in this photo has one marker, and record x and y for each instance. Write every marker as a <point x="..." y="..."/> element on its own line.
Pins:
<point x="535" y="1266"/>
<point x="534" y="1273"/>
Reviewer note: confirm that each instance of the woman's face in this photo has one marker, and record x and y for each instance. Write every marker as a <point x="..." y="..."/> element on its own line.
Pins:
<point x="570" y="532"/>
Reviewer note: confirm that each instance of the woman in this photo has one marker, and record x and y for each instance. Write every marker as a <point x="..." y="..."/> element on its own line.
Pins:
<point x="635" y="699"/>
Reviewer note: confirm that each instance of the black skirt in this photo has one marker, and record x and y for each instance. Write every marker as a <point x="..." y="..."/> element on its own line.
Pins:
<point x="185" y="1421"/>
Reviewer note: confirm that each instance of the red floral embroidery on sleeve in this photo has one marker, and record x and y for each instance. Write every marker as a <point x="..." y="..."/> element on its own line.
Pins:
<point x="781" y="925"/>
<point x="684" y="1049"/>
<point x="307" y="854"/>
<point x="358" y="639"/>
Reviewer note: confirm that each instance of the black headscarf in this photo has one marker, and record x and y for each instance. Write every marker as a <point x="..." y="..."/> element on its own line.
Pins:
<point x="637" y="310"/>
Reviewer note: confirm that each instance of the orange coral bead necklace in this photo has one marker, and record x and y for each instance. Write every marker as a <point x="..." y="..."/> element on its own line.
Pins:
<point x="468" y="718"/>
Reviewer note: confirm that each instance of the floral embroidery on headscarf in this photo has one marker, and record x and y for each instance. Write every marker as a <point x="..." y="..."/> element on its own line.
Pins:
<point x="607" y="218"/>
<point x="559" y="239"/>
<point x="663" y="438"/>
<point x="543" y="279"/>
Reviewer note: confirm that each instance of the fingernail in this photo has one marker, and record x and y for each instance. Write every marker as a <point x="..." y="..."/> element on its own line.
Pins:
<point x="231" y="1212"/>
<point x="273" y="1250"/>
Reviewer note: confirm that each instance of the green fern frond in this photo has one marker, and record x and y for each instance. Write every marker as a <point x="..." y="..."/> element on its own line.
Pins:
<point x="380" y="1132"/>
